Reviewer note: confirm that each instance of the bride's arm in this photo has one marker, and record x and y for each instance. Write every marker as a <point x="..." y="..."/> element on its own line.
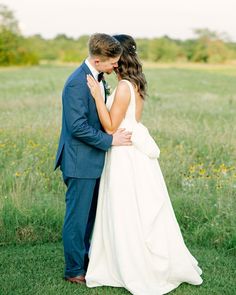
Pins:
<point x="110" y="120"/>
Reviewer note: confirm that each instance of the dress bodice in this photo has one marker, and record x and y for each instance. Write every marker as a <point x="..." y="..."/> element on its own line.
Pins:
<point x="141" y="138"/>
<point x="129" y="120"/>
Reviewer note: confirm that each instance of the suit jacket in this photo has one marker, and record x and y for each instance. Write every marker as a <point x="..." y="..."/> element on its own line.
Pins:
<point x="83" y="143"/>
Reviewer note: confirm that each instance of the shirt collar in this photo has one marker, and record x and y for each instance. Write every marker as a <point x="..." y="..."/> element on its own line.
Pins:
<point x="92" y="69"/>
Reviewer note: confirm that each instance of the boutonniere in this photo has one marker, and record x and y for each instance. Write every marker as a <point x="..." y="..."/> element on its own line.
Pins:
<point x="107" y="88"/>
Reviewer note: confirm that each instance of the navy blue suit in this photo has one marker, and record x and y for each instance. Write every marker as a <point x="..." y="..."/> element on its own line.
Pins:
<point x="80" y="155"/>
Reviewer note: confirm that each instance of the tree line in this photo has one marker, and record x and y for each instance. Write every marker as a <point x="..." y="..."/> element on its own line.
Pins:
<point x="16" y="49"/>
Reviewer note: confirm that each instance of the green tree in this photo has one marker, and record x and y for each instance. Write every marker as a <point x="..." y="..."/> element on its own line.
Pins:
<point x="143" y="48"/>
<point x="210" y="47"/>
<point x="8" y="21"/>
<point x="164" y="49"/>
<point x="77" y="51"/>
<point x="12" y="49"/>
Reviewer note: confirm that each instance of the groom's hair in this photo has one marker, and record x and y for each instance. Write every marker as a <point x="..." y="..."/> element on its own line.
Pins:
<point x="104" y="46"/>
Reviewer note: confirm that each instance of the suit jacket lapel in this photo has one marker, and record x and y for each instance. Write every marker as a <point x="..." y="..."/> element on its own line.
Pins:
<point x="87" y="71"/>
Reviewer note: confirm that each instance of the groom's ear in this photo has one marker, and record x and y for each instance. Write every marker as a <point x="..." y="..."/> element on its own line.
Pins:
<point x="96" y="60"/>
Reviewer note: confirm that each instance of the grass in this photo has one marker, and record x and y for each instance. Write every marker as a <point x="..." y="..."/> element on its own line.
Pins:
<point x="190" y="112"/>
<point x="37" y="270"/>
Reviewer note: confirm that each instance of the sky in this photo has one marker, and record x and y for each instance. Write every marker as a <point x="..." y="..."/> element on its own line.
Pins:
<point x="139" y="18"/>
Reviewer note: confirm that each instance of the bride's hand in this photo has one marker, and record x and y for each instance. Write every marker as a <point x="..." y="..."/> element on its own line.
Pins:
<point x="94" y="87"/>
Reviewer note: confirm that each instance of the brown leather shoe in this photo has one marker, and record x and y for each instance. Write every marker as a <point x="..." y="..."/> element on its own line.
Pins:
<point x="76" y="280"/>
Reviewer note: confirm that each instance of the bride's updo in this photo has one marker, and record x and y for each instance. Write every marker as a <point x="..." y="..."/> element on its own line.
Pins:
<point x="129" y="66"/>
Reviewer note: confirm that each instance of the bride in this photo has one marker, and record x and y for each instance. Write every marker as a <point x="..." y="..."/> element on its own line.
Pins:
<point x="136" y="242"/>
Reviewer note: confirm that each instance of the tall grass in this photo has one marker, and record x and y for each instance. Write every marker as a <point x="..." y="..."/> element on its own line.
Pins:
<point x="190" y="112"/>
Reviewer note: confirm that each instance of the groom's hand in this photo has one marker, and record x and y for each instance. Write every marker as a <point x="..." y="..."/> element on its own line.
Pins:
<point x="122" y="137"/>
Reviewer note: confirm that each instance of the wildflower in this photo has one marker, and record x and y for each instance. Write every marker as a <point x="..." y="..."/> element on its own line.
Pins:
<point x="33" y="144"/>
<point x="223" y="169"/>
<point x="202" y="172"/>
<point x="192" y="169"/>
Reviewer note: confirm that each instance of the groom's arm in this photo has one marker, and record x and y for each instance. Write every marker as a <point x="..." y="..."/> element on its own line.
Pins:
<point x="76" y="110"/>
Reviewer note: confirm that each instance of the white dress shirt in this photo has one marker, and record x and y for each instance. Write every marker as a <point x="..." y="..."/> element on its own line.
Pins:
<point x="95" y="75"/>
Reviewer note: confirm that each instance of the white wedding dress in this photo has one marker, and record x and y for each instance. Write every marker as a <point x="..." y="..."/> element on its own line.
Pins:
<point x="136" y="242"/>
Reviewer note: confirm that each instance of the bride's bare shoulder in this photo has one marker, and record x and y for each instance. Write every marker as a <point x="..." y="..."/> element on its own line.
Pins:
<point x="123" y="89"/>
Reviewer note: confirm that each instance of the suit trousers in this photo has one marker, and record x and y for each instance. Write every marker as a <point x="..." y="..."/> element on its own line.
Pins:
<point x="81" y="205"/>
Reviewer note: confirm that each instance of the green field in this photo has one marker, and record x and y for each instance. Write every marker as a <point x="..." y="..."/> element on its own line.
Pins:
<point x="190" y="111"/>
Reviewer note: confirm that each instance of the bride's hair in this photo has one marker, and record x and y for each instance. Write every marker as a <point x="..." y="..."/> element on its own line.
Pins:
<point x="129" y="66"/>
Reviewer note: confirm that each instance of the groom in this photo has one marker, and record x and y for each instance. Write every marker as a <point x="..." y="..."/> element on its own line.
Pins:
<point x="81" y="152"/>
